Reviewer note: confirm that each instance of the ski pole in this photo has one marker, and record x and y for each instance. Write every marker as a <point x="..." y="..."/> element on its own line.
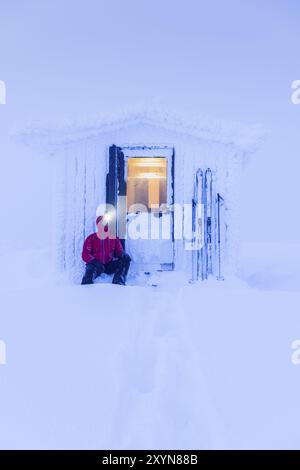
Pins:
<point x="220" y="277"/>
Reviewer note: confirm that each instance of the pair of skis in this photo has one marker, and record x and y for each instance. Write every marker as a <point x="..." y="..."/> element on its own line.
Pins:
<point x="205" y="224"/>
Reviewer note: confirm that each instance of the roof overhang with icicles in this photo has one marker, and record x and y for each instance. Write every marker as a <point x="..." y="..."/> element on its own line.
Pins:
<point x="47" y="137"/>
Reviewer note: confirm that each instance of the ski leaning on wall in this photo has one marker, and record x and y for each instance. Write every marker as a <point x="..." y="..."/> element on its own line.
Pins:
<point x="197" y="223"/>
<point x="207" y="228"/>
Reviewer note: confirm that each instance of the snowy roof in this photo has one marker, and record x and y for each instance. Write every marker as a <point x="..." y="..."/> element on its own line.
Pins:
<point x="48" y="136"/>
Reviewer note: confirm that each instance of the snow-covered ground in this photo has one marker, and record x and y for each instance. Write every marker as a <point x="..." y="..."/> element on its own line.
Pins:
<point x="195" y="366"/>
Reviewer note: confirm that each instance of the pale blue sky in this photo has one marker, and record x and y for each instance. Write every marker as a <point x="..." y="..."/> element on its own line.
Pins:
<point x="231" y="59"/>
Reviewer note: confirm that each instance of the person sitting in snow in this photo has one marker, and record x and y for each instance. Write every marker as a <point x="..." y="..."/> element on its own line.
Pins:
<point x="104" y="254"/>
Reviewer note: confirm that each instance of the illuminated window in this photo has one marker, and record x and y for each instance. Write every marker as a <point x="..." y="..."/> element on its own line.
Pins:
<point x="146" y="182"/>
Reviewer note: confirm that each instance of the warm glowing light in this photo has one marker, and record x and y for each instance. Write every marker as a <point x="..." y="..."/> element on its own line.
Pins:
<point x="148" y="176"/>
<point x="152" y="162"/>
<point x="146" y="181"/>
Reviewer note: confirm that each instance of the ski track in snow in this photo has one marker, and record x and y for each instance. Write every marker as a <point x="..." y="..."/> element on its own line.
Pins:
<point x="162" y="376"/>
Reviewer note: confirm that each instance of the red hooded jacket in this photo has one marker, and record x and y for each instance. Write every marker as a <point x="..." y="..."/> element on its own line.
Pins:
<point x="103" y="250"/>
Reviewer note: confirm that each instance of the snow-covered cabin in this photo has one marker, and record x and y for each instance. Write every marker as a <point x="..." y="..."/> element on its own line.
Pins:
<point x="170" y="163"/>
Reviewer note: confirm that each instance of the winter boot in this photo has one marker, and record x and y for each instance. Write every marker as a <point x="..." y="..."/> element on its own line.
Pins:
<point x="122" y="270"/>
<point x="119" y="278"/>
<point x="89" y="276"/>
<point x="92" y="270"/>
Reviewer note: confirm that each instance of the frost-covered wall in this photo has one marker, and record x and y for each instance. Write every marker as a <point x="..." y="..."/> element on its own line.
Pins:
<point x="80" y="177"/>
<point x="79" y="185"/>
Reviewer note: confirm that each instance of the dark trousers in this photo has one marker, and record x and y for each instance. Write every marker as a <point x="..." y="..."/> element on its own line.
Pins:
<point x="119" y="267"/>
